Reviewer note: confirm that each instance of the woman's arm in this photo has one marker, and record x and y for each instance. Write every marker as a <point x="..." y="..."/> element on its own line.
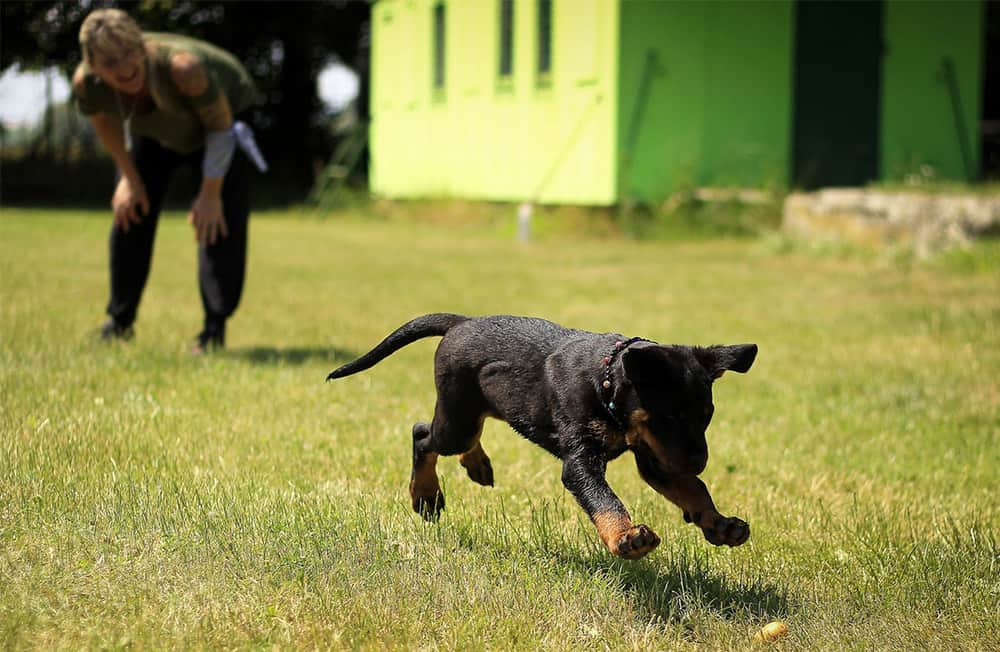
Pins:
<point x="129" y="201"/>
<point x="212" y="107"/>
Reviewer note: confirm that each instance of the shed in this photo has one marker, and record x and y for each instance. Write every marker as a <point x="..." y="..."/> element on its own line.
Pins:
<point x="601" y="101"/>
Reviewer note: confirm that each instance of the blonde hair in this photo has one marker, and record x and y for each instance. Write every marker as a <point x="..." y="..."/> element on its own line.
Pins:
<point x="111" y="33"/>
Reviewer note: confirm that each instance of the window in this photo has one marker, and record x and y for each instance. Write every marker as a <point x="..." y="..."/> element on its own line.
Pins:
<point x="506" y="38"/>
<point x="439" y="46"/>
<point x="544" y="38"/>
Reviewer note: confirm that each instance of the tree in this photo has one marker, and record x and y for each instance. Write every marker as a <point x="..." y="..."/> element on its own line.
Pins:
<point x="283" y="45"/>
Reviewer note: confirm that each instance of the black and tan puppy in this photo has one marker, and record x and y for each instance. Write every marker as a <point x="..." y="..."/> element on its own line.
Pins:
<point x="584" y="397"/>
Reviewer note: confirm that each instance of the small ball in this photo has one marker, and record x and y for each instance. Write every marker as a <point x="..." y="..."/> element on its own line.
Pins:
<point x="771" y="632"/>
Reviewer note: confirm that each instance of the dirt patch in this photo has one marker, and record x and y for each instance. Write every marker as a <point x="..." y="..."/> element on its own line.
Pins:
<point x="926" y="222"/>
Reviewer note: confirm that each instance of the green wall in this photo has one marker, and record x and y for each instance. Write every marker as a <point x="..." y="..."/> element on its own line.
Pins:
<point x="918" y="121"/>
<point x="482" y="138"/>
<point x="645" y="98"/>
<point x="717" y="109"/>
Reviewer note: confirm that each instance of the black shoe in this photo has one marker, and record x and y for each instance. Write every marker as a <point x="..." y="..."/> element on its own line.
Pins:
<point x="209" y="339"/>
<point x="112" y="330"/>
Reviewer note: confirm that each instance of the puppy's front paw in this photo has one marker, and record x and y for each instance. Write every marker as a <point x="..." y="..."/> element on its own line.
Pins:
<point x="636" y="542"/>
<point x="727" y="530"/>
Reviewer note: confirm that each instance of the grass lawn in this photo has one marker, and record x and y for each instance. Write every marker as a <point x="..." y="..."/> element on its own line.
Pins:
<point x="150" y="499"/>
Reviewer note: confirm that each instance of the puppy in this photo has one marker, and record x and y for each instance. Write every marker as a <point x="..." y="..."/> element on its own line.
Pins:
<point x="584" y="397"/>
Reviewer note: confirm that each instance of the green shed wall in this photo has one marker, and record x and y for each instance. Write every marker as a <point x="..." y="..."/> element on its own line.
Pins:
<point x="918" y="119"/>
<point x="485" y="139"/>
<point x="714" y="109"/>
<point x="718" y="107"/>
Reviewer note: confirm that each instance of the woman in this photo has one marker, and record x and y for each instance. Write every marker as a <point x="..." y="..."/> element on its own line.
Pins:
<point x="159" y="102"/>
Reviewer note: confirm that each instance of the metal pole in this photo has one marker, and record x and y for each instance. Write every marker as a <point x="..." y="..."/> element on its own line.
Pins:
<point x="950" y="78"/>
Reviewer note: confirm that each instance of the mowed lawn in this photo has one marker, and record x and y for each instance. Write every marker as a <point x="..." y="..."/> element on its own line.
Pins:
<point x="151" y="499"/>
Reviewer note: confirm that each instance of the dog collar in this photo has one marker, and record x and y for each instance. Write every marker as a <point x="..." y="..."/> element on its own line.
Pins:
<point x="607" y="391"/>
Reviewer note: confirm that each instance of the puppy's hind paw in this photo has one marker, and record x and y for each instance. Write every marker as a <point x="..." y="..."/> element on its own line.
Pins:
<point x="429" y="507"/>
<point x="479" y="467"/>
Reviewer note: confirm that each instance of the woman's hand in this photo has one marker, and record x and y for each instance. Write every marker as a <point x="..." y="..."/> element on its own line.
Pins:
<point x="207" y="219"/>
<point x="129" y="203"/>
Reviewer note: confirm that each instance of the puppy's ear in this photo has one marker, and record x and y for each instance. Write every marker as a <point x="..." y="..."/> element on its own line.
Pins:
<point x="719" y="359"/>
<point x="644" y="362"/>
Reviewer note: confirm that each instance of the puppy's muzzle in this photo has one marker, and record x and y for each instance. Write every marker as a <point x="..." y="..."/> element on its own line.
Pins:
<point x="696" y="463"/>
<point x="679" y="462"/>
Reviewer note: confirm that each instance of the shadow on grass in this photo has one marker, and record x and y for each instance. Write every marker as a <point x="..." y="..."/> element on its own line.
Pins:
<point x="670" y="585"/>
<point x="669" y="589"/>
<point x="675" y="588"/>
<point x="269" y="355"/>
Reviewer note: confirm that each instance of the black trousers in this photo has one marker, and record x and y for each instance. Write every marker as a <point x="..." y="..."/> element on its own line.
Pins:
<point x="221" y="266"/>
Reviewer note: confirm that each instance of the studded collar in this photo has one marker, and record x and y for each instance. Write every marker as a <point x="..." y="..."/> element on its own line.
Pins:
<point x="607" y="389"/>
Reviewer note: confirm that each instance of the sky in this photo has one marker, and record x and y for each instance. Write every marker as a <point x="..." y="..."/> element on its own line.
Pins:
<point x="22" y="94"/>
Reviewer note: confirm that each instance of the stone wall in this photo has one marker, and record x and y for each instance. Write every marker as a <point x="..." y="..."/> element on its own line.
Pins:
<point x="926" y="222"/>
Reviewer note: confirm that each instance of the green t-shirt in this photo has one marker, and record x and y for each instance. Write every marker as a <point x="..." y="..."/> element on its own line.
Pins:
<point x="173" y="120"/>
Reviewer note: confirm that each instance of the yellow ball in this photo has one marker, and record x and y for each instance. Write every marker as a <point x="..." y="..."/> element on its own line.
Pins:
<point x="771" y="632"/>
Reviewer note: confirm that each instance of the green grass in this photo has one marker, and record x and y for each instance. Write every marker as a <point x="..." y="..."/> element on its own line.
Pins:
<point x="149" y="499"/>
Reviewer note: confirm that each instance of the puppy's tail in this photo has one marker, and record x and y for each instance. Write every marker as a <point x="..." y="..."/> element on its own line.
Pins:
<point x="413" y="330"/>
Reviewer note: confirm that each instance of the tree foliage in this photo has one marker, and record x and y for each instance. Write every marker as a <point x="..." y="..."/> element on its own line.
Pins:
<point x="284" y="45"/>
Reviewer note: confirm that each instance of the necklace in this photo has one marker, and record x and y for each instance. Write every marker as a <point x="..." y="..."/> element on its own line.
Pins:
<point x="608" y="403"/>
<point x="139" y="98"/>
<point x="126" y="119"/>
